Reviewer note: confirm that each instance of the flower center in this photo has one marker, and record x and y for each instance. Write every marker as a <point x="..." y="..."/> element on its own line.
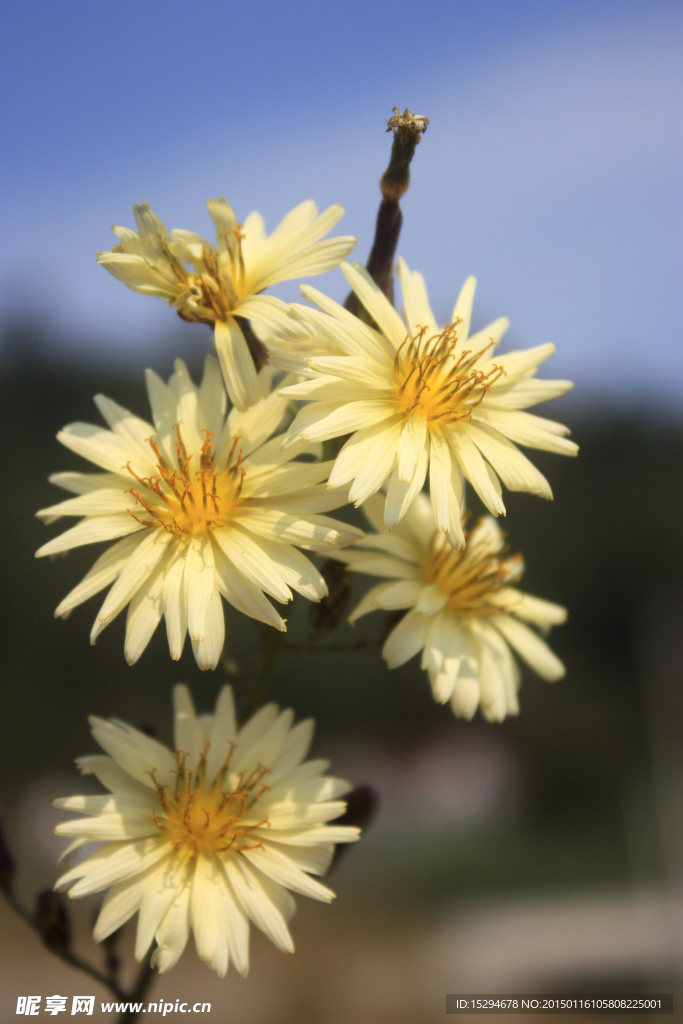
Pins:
<point x="211" y="817"/>
<point x="184" y="501"/>
<point x="215" y="291"/>
<point x="470" y="575"/>
<point x="436" y="382"/>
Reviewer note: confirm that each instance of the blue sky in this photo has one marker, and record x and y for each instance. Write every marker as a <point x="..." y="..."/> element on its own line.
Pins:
<point x="551" y="169"/>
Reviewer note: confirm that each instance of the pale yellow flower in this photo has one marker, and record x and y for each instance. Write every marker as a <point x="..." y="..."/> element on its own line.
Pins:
<point x="207" y="839"/>
<point x="464" y="614"/>
<point x="201" y="505"/>
<point x="419" y="396"/>
<point x="215" y="284"/>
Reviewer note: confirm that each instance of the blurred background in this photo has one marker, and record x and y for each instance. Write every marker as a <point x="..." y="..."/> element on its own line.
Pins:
<point x="544" y="854"/>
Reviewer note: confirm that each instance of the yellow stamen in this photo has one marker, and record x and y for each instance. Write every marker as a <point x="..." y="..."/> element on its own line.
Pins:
<point x="469" y="576"/>
<point x="185" y="502"/>
<point x="430" y="377"/>
<point x="214" y="816"/>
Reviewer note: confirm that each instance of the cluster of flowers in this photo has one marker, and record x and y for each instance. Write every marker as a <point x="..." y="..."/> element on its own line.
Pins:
<point x="212" y="502"/>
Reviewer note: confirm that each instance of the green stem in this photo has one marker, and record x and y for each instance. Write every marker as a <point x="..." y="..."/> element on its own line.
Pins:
<point x="263" y="673"/>
<point x="142" y="983"/>
<point x="65" y="954"/>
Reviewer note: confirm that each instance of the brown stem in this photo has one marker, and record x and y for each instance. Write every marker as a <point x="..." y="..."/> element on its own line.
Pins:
<point x="380" y="263"/>
<point x="142" y="983"/>
<point x="408" y="129"/>
<point x="65" y="954"/>
<point x="50" y="920"/>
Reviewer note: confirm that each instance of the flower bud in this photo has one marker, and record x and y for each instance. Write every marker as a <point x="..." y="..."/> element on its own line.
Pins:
<point x="362" y="805"/>
<point x="407" y="129"/>
<point x="52" y="921"/>
<point x="6" y="862"/>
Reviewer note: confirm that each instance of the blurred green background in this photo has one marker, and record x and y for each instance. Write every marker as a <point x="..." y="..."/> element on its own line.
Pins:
<point x="572" y="807"/>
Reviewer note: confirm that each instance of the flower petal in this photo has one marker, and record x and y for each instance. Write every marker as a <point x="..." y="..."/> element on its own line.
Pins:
<point x="104" y="571"/>
<point x="199" y="583"/>
<point x="530" y="647"/>
<point x="139" y="567"/>
<point x="406" y="639"/>
<point x="237" y="365"/>
<point x="208" y="650"/>
<point x="174" y="930"/>
<point x="144" y="613"/>
<point x="375" y="302"/>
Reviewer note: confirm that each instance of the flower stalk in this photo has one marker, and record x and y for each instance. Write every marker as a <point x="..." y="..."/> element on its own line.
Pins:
<point x="142" y="983"/>
<point x="408" y="130"/>
<point x="63" y="950"/>
<point x="263" y="673"/>
<point x="209" y="504"/>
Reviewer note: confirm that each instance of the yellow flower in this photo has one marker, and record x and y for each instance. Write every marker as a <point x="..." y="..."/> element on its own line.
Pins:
<point x="421" y="396"/>
<point x="200" y="505"/>
<point x="209" y="838"/>
<point x="464" y="614"/>
<point x="215" y="284"/>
